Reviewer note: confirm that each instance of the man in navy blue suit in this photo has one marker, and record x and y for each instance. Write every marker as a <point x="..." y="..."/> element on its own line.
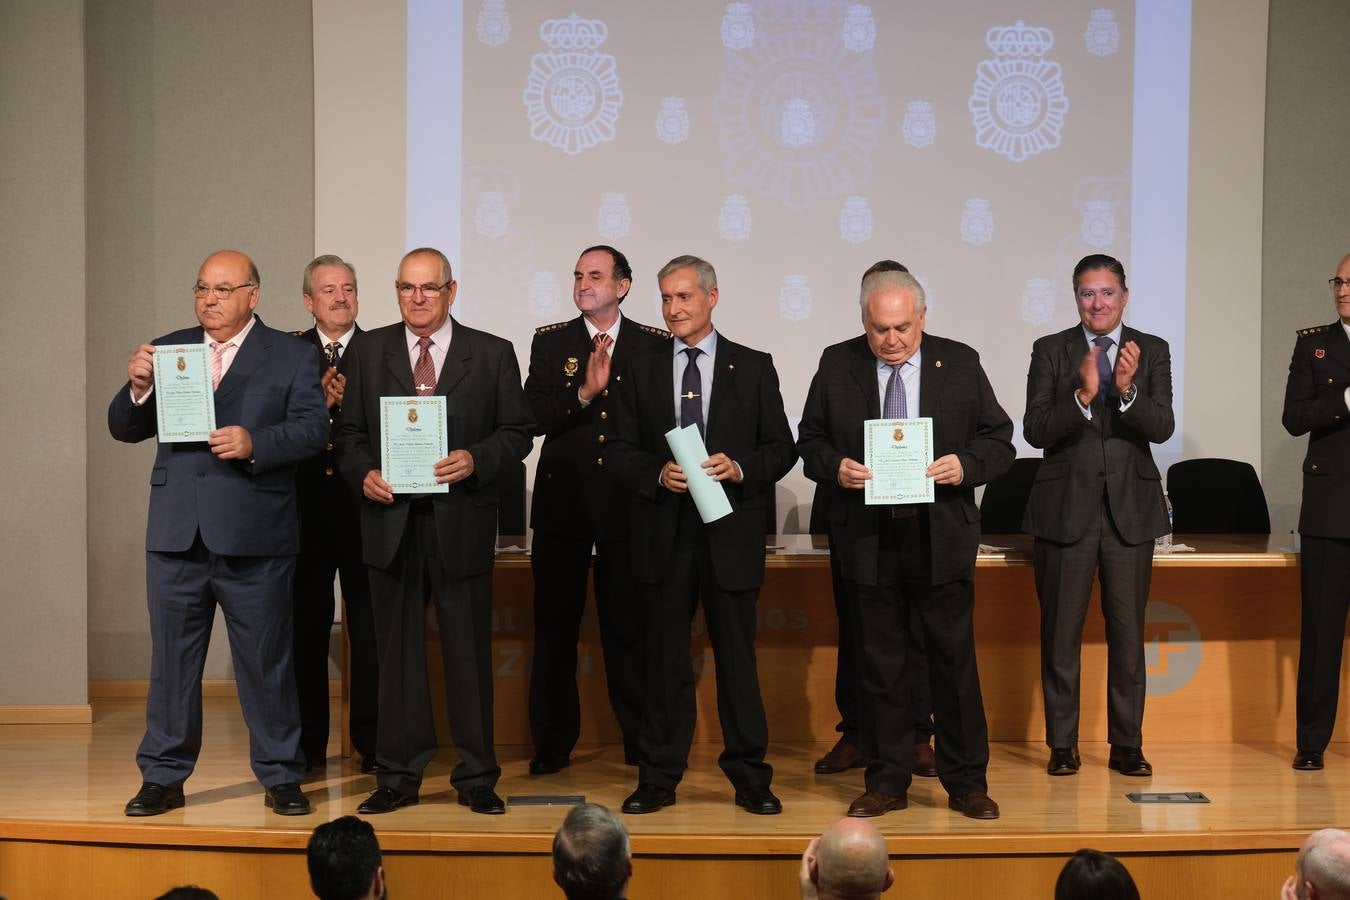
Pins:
<point x="223" y="529"/>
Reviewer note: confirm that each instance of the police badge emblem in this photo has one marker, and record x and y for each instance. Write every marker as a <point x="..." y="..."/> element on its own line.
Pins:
<point x="1018" y="102"/>
<point x="1320" y="353"/>
<point x="412" y="414"/>
<point x="794" y="299"/>
<point x="977" y="222"/>
<point x="855" y="220"/>
<point x="672" y="122"/>
<point x="898" y="435"/>
<point x="734" y="221"/>
<point x="182" y="364"/>
<point x="919" y="127"/>
<point x="572" y="96"/>
<point x="494" y="23"/>
<point x="570" y="367"/>
<point x="1103" y="35"/>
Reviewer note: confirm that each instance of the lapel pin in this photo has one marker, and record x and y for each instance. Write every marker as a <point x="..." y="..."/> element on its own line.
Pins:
<point x="938" y="364"/>
<point x="1319" y="353"/>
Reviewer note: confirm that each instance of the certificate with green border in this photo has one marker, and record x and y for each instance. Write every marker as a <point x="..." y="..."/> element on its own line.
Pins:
<point x="898" y="452"/>
<point x="185" y="401"/>
<point x="413" y="438"/>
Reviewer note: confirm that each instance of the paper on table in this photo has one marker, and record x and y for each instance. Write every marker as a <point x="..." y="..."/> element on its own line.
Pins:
<point x="709" y="496"/>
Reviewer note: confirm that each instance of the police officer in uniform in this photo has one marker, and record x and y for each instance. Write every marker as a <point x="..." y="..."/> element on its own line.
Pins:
<point x="578" y="505"/>
<point x="1317" y="403"/>
<point x="330" y="540"/>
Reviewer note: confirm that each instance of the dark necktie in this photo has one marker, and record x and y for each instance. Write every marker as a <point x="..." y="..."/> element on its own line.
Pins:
<point x="896" y="405"/>
<point x="1105" y="371"/>
<point x="691" y="391"/>
<point x="332" y="353"/>
<point x="424" y="373"/>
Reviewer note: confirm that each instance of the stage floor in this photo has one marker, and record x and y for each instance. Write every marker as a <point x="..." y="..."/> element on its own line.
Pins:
<point x="73" y="780"/>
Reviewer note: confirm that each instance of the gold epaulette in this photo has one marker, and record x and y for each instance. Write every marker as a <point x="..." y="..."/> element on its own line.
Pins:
<point x="546" y="329"/>
<point x="661" y="333"/>
<point x="1316" y="329"/>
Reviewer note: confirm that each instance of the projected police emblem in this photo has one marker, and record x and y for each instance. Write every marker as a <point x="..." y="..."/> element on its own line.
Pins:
<point x="494" y="23"/>
<point x="613" y="218"/>
<point x="860" y="31"/>
<point x="572" y="96"/>
<point x="1018" y="103"/>
<point x="1103" y="35"/>
<point x="977" y="222"/>
<point x="855" y="220"/>
<point x="491" y="218"/>
<point x="794" y="300"/>
<point x="672" y="121"/>
<point x="738" y="28"/>
<point x="798" y="114"/>
<point x="1172" y="648"/>
<point x="919" y="128"/>
<point x="545" y="294"/>
<point x="1038" y="302"/>
<point x="1099" y="224"/>
<point x="733" y="222"/>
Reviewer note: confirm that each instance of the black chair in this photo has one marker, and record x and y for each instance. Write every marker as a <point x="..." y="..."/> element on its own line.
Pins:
<point x="511" y="503"/>
<point x="1005" y="498"/>
<point x="1216" y="496"/>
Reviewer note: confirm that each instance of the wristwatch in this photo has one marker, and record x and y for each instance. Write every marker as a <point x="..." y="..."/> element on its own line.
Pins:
<point x="1128" y="396"/>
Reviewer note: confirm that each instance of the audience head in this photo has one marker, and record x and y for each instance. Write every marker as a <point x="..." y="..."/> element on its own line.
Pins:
<point x="849" y="861"/>
<point x="1094" y="875"/>
<point x="344" y="861"/>
<point x="893" y="314"/>
<point x="688" y="287"/>
<point x="226" y="292"/>
<point x="591" y="857"/>
<point x="426" y="289"/>
<point x="1100" y="291"/>
<point x="1322" y="870"/>
<point x="329" y="293"/>
<point x="187" y="892"/>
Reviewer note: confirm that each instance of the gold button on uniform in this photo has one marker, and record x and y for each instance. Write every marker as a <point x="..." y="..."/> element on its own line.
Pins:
<point x="601" y="438"/>
<point x="603" y="414"/>
<point x="605" y="392"/>
<point x="599" y="460"/>
<point x="328" y="471"/>
<point x="328" y="446"/>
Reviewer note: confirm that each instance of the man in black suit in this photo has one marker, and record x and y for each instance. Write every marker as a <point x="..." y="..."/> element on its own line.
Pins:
<point x="579" y="505"/>
<point x="222" y="530"/>
<point x="845" y="755"/>
<point x="730" y="393"/>
<point x="330" y="538"/>
<point x="909" y="556"/>
<point x="1097" y="395"/>
<point x="1317" y="403"/>
<point x="438" y="545"/>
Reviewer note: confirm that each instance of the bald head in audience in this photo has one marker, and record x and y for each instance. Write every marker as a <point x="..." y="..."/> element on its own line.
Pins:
<point x="849" y="861"/>
<point x="1322" y="871"/>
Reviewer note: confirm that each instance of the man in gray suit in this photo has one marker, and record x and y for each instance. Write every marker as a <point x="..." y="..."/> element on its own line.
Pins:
<point x="1097" y="395"/>
<point x="223" y="529"/>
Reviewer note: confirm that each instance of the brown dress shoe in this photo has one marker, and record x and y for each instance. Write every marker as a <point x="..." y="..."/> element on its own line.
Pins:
<point x="925" y="761"/>
<point x="875" y="803"/>
<point x="842" y="757"/>
<point x="974" y="805"/>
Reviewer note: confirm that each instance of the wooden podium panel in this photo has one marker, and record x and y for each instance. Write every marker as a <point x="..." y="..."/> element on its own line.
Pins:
<point x="1222" y="647"/>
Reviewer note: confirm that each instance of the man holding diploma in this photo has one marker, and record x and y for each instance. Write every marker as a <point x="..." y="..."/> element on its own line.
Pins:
<point x="223" y="530"/>
<point x="730" y="394"/>
<point x="920" y="555"/>
<point x="435" y="544"/>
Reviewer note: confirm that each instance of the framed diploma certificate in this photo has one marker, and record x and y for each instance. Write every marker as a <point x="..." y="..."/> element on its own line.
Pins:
<point x="413" y="438"/>
<point x="899" y="452"/>
<point x="185" y="402"/>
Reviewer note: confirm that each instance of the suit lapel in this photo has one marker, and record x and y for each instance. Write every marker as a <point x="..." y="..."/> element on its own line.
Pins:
<point x="1338" y="345"/>
<point x="933" y="375"/>
<point x="724" y="383"/>
<point x="396" y="360"/>
<point x="457" y="357"/>
<point x="863" y="368"/>
<point x="252" y="353"/>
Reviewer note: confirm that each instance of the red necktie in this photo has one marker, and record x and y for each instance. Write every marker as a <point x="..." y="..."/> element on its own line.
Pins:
<point x="217" y="363"/>
<point x="424" y="373"/>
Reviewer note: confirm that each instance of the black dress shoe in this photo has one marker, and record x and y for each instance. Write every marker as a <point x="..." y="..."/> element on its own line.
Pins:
<point x="547" y="765"/>
<point x="648" y="798"/>
<point x="876" y="803"/>
<point x="153" y="799"/>
<point x="840" y="758"/>
<point x="974" y="805"/>
<point x="758" y="799"/>
<point x="1304" y="761"/>
<point x="1063" y="761"/>
<point x="1129" y="761"/>
<point x="482" y="799"/>
<point x="385" y="799"/>
<point x="287" y="800"/>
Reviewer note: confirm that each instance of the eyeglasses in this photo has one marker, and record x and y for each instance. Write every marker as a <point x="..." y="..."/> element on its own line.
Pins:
<point x="1338" y="283"/>
<point x="430" y="291"/>
<point x="220" y="291"/>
